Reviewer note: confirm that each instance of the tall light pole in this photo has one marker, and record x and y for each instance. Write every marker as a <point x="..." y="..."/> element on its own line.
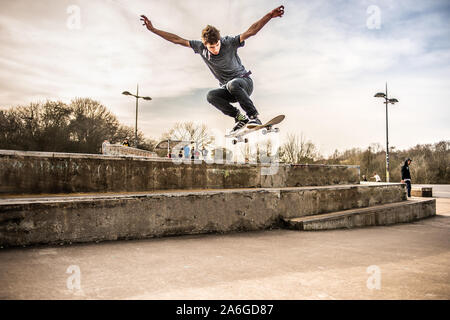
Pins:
<point x="137" y="99"/>
<point x="387" y="101"/>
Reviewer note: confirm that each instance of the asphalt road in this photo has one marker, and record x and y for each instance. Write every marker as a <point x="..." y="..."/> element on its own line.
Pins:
<point x="439" y="190"/>
<point x="405" y="261"/>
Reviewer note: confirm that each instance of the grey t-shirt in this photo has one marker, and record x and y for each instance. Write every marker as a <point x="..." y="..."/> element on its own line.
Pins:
<point x="226" y="65"/>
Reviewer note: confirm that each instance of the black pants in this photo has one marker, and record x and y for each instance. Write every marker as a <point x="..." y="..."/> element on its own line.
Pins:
<point x="236" y="90"/>
<point x="408" y="187"/>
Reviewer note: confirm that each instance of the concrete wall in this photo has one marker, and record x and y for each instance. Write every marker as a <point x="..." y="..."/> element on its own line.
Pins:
<point x="84" y="219"/>
<point x="119" y="150"/>
<point x="43" y="172"/>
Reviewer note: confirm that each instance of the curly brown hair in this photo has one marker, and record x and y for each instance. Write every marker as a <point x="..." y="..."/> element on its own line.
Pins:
<point x="210" y="35"/>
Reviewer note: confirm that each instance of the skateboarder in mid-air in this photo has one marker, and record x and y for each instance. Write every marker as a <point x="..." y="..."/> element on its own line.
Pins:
<point x="220" y="55"/>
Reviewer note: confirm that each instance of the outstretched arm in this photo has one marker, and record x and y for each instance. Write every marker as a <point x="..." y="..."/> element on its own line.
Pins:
<point x="166" y="35"/>
<point x="254" y="28"/>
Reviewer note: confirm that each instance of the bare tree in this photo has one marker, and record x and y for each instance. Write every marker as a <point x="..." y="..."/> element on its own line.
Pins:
<point x="81" y="126"/>
<point x="298" y="150"/>
<point x="92" y="123"/>
<point x="190" y="131"/>
<point x="126" y="132"/>
<point x="245" y="152"/>
<point x="376" y="147"/>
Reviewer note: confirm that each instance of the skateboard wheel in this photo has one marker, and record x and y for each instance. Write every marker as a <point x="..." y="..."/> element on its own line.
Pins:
<point x="234" y="141"/>
<point x="245" y="140"/>
<point x="264" y="131"/>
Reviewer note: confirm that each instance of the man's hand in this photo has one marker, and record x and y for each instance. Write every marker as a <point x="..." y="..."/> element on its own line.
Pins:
<point x="254" y="28"/>
<point x="277" y="12"/>
<point x="147" y="23"/>
<point x="166" y="35"/>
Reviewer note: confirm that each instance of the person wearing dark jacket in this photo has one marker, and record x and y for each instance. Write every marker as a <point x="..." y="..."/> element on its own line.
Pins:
<point x="406" y="175"/>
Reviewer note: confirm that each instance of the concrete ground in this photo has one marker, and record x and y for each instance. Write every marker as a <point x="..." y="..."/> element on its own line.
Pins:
<point x="405" y="261"/>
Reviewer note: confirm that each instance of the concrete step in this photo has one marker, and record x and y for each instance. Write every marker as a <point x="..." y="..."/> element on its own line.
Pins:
<point x="26" y="220"/>
<point x="385" y="214"/>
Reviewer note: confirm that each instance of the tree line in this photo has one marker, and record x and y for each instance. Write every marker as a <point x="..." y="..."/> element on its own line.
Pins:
<point x="79" y="127"/>
<point x="82" y="125"/>
<point x="430" y="162"/>
<point x="430" y="165"/>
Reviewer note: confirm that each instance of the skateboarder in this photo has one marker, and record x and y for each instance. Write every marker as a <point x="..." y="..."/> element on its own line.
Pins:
<point x="220" y="55"/>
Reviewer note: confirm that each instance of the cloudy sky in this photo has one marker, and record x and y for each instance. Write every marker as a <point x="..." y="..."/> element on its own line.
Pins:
<point x="320" y="64"/>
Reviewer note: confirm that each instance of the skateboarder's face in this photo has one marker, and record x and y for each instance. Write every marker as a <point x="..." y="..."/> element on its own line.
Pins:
<point x="213" y="48"/>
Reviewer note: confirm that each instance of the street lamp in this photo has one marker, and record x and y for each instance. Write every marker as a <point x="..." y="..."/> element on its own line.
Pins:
<point x="387" y="101"/>
<point x="137" y="99"/>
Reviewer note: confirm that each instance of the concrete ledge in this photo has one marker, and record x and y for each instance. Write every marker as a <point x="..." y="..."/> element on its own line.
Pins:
<point x="386" y="214"/>
<point x="24" y="172"/>
<point x="46" y="220"/>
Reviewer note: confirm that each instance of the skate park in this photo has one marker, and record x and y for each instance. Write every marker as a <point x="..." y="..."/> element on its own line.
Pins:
<point x="224" y="151"/>
<point x="211" y="234"/>
<point x="97" y="197"/>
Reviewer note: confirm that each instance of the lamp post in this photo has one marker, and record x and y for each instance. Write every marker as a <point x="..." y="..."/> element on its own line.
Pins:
<point x="137" y="99"/>
<point x="387" y="101"/>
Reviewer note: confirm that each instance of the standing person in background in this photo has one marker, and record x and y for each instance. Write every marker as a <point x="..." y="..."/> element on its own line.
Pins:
<point x="104" y="145"/>
<point x="376" y="177"/>
<point x="186" y="152"/>
<point x="204" y="153"/>
<point x="406" y="175"/>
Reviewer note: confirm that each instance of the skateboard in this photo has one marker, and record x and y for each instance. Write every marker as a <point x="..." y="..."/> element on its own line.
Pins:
<point x="267" y="127"/>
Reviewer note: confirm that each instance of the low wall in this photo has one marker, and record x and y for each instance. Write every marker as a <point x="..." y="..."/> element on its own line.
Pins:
<point x="119" y="150"/>
<point x="86" y="219"/>
<point x="43" y="172"/>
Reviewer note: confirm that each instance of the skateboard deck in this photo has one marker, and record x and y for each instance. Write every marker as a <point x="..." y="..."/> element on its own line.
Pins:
<point x="238" y="135"/>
